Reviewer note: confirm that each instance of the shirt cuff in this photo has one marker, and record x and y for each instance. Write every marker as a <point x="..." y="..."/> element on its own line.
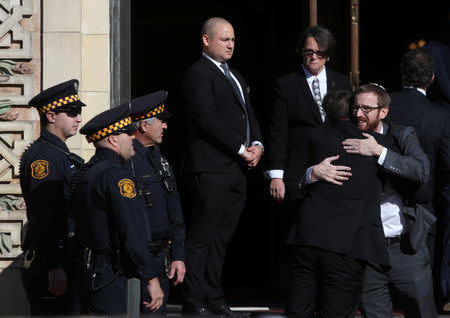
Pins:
<point x="258" y="143"/>
<point x="241" y="150"/>
<point x="307" y="178"/>
<point x="382" y="156"/>
<point x="274" y="174"/>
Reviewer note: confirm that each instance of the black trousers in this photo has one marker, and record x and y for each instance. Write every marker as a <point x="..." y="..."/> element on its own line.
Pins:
<point x="217" y="201"/>
<point x="42" y="302"/>
<point x="104" y="292"/>
<point x="322" y="283"/>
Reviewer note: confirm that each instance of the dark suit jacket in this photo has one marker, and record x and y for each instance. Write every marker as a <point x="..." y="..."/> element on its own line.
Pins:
<point x="294" y="115"/>
<point x="410" y="107"/>
<point x="407" y="168"/>
<point x="342" y="219"/>
<point x="216" y="120"/>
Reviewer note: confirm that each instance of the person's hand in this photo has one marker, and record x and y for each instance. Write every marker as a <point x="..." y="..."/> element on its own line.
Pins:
<point x="250" y="157"/>
<point x="257" y="153"/>
<point x="327" y="172"/>
<point x="177" y="268"/>
<point x="365" y="147"/>
<point x="277" y="189"/>
<point x="156" y="294"/>
<point x="57" y="281"/>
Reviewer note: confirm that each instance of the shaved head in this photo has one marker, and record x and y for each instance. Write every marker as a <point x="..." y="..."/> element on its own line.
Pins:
<point x="210" y="25"/>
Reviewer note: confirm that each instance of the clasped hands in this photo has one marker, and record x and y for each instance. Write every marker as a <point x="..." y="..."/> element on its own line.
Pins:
<point x="251" y="155"/>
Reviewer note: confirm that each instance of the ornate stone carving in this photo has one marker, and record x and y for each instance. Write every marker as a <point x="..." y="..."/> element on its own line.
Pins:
<point x="12" y="224"/>
<point x="16" y="80"/>
<point x="14" y="138"/>
<point x="15" y="41"/>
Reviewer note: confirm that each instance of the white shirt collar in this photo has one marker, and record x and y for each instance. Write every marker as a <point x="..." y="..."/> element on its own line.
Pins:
<point x="419" y="89"/>
<point x="322" y="76"/>
<point x="212" y="60"/>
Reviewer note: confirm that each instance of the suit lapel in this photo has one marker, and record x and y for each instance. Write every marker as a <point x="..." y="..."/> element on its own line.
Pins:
<point x="305" y="96"/>
<point x="219" y="73"/>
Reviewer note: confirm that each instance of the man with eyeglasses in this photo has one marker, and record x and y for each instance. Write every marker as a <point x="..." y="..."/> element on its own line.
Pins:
<point x="405" y="169"/>
<point x="45" y="169"/>
<point x="111" y="222"/>
<point x="297" y="109"/>
<point x="336" y="229"/>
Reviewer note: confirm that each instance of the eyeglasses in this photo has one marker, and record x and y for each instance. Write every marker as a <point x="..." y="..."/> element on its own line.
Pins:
<point x="71" y="112"/>
<point x="364" y="108"/>
<point x="309" y="53"/>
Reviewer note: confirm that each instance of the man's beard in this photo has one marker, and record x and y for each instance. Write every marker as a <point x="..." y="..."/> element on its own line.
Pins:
<point x="365" y="124"/>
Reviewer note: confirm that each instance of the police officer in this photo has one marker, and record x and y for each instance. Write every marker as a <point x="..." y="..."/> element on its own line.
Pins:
<point x="45" y="170"/>
<point x="111" y="219"/>
<point x="156" y="184"/>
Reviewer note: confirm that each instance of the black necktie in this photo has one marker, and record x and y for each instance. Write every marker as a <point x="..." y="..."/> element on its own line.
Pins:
<point x="238" y="92"/>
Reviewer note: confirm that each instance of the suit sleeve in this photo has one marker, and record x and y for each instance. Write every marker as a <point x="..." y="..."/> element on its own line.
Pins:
<point x="413" y="163"/>
<point x="199" y="93"/>
<point x="131" y="223"/>
<point x="276" y="143"/>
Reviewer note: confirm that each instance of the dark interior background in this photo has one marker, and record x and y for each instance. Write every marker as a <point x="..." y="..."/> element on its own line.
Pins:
<point x="166" y="39"/>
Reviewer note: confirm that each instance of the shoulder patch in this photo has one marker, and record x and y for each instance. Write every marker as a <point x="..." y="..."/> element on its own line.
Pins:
<point x="127" y="188"/>
<point x="39" y="169"/>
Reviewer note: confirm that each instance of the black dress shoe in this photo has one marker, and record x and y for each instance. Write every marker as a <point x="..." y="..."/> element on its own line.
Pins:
<point x="225" y="311"/>
<point x="196" y="310"/>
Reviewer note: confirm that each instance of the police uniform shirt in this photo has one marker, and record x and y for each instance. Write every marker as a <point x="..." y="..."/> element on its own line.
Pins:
<point x="165" y="213"/>
<point x="109" y="212"/>
<point x="45" y="172"/>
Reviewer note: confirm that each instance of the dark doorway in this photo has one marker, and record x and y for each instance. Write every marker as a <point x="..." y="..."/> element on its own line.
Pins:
<point x="166" y="39"/>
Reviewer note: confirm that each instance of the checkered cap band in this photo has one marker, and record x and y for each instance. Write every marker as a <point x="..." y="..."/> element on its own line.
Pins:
<point x="153" y="112"/>
<point x="58" y="103"/>
<point x="109" y="130"/>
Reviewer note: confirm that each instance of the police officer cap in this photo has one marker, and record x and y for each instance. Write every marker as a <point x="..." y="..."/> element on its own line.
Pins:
<point x="114" y="121"/>
<point x="148" y="106"/>
<point x="60" y="97"/>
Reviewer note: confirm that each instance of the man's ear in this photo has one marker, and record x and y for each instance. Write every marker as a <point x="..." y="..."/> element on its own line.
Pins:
<point x="113" y="140"/>
<point x="383" y="112"/>
<point x="51" y="116"/>
<point x="205" y="40"/>
<point x="142" y="127"/>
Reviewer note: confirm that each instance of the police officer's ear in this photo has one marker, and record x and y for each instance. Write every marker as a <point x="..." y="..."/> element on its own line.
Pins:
<point x="51" y="116"/>
<point x="142" y="127"/>
<point x="113" y="140"/>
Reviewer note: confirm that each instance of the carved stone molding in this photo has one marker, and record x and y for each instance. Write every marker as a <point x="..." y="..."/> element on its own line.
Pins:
<point x="15" y="136"/>
<point x="12" y="222"/>
<point x="14" y="40"/>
